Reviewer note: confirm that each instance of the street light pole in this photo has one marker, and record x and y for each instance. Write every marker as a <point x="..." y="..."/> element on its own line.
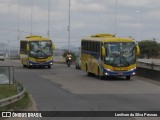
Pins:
<point x="9" y="49"/>
<point x="69" y="27"/>
<point x="138" y="27"/>
<point x="31" y="15"/>
<point x="48" y="18"/>
<point x="18" y="37"/>
<point x="116" y="18"/>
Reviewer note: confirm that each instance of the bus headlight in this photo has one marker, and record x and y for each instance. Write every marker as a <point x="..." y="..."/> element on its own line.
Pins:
<point x="133" y="73"/>
<point x="106" y="73"/>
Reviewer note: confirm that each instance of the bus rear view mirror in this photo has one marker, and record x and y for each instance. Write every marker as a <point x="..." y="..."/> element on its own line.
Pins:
<point x="53" y="47"/>
<point x="137" y="50"/>
<point x="28" y="48"/>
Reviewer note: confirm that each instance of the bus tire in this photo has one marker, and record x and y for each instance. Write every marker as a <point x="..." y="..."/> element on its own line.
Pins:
<point x="49" y="66"/>
<point x="128" y="77"/>
<point x="88" y="73"/>
<point x="100" y="76"/>
<point x="29" y="67"/>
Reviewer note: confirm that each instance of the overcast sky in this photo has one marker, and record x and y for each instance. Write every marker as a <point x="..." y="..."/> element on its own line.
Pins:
<point x="87" y="17"/>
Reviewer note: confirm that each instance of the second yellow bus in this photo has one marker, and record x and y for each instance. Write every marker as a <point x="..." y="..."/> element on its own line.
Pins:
<point x="106" y="55"/>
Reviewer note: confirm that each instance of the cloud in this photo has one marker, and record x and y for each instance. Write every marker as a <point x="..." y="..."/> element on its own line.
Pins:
<point x="79" y="6"/>
<point x="153" y="14"/>
<point x="135" y="3"/>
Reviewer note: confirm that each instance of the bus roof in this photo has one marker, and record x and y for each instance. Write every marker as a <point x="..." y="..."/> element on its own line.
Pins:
<point x="35" y="38"/>
<point x="107" y="38"/>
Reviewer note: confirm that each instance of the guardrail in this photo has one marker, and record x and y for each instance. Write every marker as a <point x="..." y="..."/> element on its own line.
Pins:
<point x="15" y="98"/>
<point x="149" y="68"/>
<point x="149" y="64"/>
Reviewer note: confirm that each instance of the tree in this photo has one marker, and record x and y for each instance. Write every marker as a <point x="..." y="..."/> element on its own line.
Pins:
<point x="149" y="48"/>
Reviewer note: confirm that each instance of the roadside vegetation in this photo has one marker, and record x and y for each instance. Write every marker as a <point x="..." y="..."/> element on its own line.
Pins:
<point x="10" y="90"/>
<point x="149" y="49"/>
<point x="7" y="91"/>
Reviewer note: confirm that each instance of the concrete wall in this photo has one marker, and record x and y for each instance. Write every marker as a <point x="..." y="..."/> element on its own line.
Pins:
<point x="149" y="68"/>
<point x="153" y="64"/>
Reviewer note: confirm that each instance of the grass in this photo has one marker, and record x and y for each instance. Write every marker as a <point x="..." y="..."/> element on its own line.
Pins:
<point x="7" y="91"/>
<point x="19" y="105"/>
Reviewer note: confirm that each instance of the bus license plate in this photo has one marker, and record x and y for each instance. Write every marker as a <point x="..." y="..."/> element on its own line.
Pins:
<point x="120" y="73"/>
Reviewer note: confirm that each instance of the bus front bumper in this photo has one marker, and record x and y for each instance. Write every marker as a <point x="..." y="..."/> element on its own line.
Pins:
<point x="32" y="63"/>
<point x="108" y="72"/>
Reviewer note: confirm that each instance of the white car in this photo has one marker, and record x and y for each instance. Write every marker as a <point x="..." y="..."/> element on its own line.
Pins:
<point x="78" y="63"/>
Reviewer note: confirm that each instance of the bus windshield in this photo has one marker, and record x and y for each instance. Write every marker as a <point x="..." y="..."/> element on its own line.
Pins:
<point x="40" y="49"/>
<point x="121" y="54"/>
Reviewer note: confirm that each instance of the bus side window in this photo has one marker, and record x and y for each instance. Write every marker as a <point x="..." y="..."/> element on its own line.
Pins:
<point x="89" y="46"/>
<point x="98" y="47"/>
<point x="23" y="47"/>
<point x="86" y="46"/>
<point x="82" y="44"/>
<point x="94" y="47"/>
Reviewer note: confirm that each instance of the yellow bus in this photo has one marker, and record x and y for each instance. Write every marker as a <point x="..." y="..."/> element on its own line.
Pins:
<point x="36" y="51"/>
<point x="106" y="55"/>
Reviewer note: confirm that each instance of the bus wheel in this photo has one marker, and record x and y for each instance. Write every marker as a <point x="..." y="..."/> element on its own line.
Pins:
<point x="86" y="68"/>
<point x="88" y="73"/>
<point x="49" y="66"/>
<point x="29" y="67"/>
<point x="24" y="66"/>
<point x="128" y="77"/>
<point x="100" y="76"/>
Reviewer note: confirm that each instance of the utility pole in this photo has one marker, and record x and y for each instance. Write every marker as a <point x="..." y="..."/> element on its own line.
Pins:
<point x="68" y="28"/>
<point x="18" y="37"/>
<point x="116" y="18"/>
<point x="31" y="15"/>
<point x="48" y="18"/>
<point x="138" y="27"/>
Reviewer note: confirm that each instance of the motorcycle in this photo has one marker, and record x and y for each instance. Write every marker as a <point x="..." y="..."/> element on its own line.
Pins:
<point x="69" y="61"/>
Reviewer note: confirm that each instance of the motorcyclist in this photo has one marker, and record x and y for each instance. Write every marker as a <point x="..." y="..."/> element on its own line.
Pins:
<point x="68" y="56"/>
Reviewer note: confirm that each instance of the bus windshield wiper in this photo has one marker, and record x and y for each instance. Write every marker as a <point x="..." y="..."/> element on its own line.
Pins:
<point x="125" y="60"/>
<point x="115" y="58"/>
<point x="122" y="57"/>
<point x="41" y="52"/>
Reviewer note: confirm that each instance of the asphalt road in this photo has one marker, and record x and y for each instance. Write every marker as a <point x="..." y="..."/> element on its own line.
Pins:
<point x="66" y="89"/>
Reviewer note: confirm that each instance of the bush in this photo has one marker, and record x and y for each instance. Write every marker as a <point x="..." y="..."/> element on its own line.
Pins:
<point x="149" y="48"/>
